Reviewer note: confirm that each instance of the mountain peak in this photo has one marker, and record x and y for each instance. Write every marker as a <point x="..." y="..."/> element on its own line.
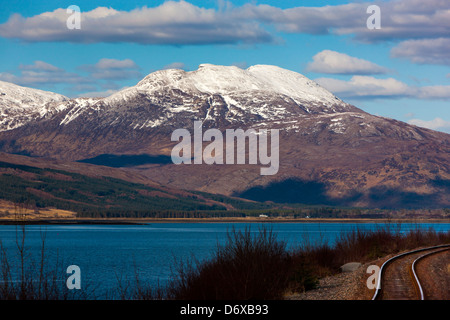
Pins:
<point x="229" y="80"/>
<point x="220" y="94"/>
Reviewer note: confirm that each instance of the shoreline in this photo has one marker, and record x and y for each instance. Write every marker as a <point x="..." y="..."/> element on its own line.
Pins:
<point x="143" y="221"/>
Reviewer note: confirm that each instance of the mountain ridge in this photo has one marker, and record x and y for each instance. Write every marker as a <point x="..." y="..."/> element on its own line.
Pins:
<point x="231" y="85"/>
<point x="20" y="104"/>
<point x="323" y="140"/>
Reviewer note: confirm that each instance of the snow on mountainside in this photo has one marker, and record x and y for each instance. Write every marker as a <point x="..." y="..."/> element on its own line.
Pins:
<point x="227" y="94"/>
<point x="220" y="94"/>
<point x="19" y="105"/>
<point x="227" y="80"/>
<point x="351" y="157"/>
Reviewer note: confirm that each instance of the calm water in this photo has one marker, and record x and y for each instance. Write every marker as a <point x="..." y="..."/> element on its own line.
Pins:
<point x="105" y="253"/>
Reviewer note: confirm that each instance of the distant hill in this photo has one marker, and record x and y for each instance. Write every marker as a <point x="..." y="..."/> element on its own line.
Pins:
<point x="101" y="195"/>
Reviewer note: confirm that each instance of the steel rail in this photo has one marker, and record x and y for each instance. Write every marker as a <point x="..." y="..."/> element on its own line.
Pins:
<point x="422" y="296"/>
<point x="380" y="274"/>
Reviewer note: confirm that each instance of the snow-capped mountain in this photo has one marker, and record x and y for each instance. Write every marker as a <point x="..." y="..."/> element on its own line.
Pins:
<point x="230" y="81"/>
<point x="216" y="94"/>
<point x="353" y="157"/>
<point x="19" y="105"/>
<point x="211" y="93"/>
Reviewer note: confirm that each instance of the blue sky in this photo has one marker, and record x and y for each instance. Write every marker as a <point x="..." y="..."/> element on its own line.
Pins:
<point x="400" y="71"/>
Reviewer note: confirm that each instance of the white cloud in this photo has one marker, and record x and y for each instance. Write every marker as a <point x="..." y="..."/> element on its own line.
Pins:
<point x="113" y="69"/>
<point x="433" y="92"/>
<point x="182" y="23"/>
<point x="42" y="73"/>
<point x="172" y="22"/>
<point x="370" y="87"/>
<point x="40" y="65"/>
<point x="432" y="51"/>
<point x="435" y="124"/>
<point x="101" y="74"/>
<point x="333" y="62"/>
<point x="116" y="64"/>
<point x="400" y="19"/>
<point x="365" y="86"/>
<point x="404" y="19"/>
<point x="313" y="20"/>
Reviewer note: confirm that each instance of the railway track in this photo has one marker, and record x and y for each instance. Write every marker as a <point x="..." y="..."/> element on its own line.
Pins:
<point x="398" y="278"/>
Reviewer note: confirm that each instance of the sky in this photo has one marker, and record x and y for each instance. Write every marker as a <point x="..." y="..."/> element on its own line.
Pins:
<point x="392" y="62"/>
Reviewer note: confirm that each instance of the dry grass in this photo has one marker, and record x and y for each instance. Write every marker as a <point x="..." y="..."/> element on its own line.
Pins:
<point x="247" y="266"/>
<point x="366" y="245"/>
<point x="258" y="266"/>
<point x="8" y="211"/>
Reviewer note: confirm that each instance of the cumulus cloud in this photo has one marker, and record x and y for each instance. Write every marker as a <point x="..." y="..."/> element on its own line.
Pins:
<point x="423" y="26"/>
<point x="370" y="87"/>
<point x="312" y="20"/>
<point x="435" y="124"/>
<point x="177" y="23"/>
<point x="116" y="64"/>
<point x="433" y="92"/>
<point x="333" y="62"/>
<point x="405" y="19"/>
<point x="112" y="69"/>
<point x="401" y="19"/>
<point x="365" y="86"/>
<point x="42" y="73"/>
<point x="431" y="51"/>
<point x="181" y="23"/>
<point x="100" y="81"/>
<point x="40" y="65"/>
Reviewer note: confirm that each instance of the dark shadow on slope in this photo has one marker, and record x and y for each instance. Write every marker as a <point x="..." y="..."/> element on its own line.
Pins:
<point x="388" y="198"/>
<point x="290" y="191"/>
<point x="314" y="193"/>
<point x="442" y="184"/>
<point x="118" y="161"/>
